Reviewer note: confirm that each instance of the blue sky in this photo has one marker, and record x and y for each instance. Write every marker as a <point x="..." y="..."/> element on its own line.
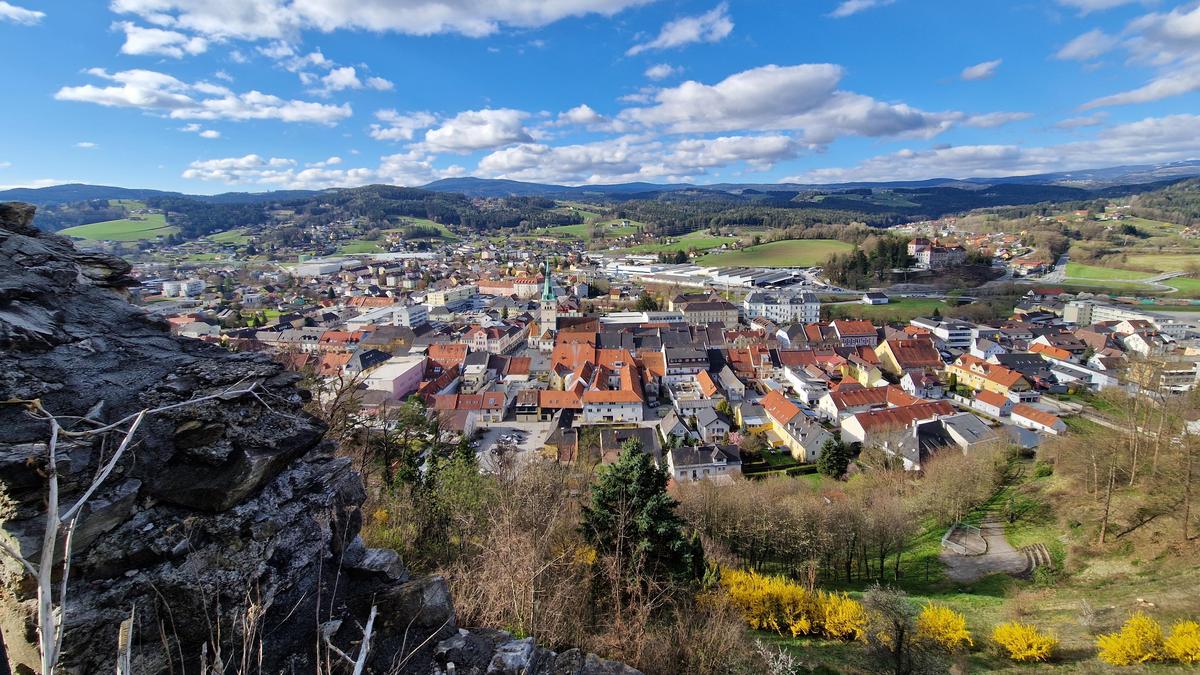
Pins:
<point x="208" y="96"/>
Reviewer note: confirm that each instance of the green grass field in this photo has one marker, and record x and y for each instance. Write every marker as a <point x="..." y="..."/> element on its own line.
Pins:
<point x="151" y="226"/>
<point x="1081" y="270"/>
<point x="584" y="230"/>
<point x="899" y="309"/>
<point x="359" y="246"/>
<point x="700" y="240"/>
<point x="1186" y="285"/>
<point x="1164" y="262"/>
<point x="234" y="236"/>
<point x="789" y="253"/>
<point x="424" y="222"/>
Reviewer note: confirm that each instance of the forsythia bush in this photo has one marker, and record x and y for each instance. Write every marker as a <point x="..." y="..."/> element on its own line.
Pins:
<point x="1140" y="640"/>
<point x="1184" y="643"/>
<point x="785" y="607"/>
<point x="1024" y="642"/>
<point x="943" y="627"/>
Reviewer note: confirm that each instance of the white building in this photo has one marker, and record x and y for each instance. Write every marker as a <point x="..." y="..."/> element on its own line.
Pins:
<point x="186" y="288"/>
<point x="783" y="308"/>
<point x="399" y="376"/>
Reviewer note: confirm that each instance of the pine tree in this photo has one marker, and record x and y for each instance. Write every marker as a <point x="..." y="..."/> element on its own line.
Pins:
<point x="834" y="459"/>
<point x="632" y="516"/>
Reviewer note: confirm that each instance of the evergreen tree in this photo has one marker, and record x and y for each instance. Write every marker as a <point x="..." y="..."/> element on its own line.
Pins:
<point x="834" y="459"/>
<point x="631" y="514"/>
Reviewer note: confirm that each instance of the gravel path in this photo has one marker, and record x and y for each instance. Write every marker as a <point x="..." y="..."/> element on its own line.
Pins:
<point x="1001" y="557"/>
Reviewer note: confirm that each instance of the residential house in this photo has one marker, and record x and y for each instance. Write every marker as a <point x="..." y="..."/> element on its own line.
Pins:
<point x="899" y="357"/>
<point x="855" y="333"/>
<point x="713" y="426"/>
<point x="992" y="404"/>
<point x="876" y="427"/>
<point x="686" y="464"/>
<point x="1030" y="417"/>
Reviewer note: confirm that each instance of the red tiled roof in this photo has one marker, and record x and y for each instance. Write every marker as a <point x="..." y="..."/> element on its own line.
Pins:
<point x="992" y="398"/>
<point x="1031" y="413"/>
<point x="854" y="328"/>
<point x="779" y="407"/>
<point x="902" y="417"/>
<point x="707" y="386"/>
<point x="855" y="398"/>
<point x="914" y="353"/>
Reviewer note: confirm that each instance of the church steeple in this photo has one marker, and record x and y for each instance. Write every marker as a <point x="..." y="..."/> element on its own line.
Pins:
<point x="547" y="290"/>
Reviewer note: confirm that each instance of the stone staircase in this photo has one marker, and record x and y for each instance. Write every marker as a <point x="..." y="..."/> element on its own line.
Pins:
<point x="1036" y="555"/>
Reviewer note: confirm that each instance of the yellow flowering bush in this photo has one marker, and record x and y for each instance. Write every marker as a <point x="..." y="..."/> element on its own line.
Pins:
<point x="944" y="627"/>
<point x="1140" y="641"/>
<point x="787" y="608"/>
<point x="1183" y="645"/>
<point x="1023" y="642"/>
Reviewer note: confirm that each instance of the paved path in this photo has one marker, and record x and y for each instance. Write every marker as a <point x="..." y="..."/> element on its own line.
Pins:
<point x="1001" y="557"/>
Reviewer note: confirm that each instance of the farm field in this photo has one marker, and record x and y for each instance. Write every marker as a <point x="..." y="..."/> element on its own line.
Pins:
<point x="151" y="226"/>
<point x="1077" y="270"/>
<point x="700" y="240"/>
<point x="899" y="309"/>
<point x="1164" y="262"/>
<point x="789" y="253"/>
<point x="234" y="236"/>
<point x="425" y="222"/>
<point x="1187" y="286"/>
<point x="584" y="230"/>
<point x="359" y="246"/>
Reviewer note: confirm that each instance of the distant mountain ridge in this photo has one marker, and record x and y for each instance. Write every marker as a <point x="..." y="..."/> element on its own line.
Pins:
<point x="1089" y="179"/>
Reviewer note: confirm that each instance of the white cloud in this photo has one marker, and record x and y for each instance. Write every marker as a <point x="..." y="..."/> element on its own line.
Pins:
<point x="581" y="114"/>
<point x="981" y="71"/>
<point x="995" y="119"/>
<point x="157" y="92"/>
<point x="1087" y="6"/>
<point x="380" y="84"/>
<point x="409" y="168"/>
<point x="661" y="71"/>
<point x="1151" y="140"/>
<point x="473" y="130"/>
<point x="210" y="134"/>
<point x="194" y="128"/>
<point x="400" y="126"/>
<point x="286" y="19"/>
<point x="629" y="159"/>
<point x="1087" y="46"/>
<point x="338" y="79"/>
<point x="852" y="7"/>
<point x="140" y="41"/>
<point x="5" y="165"/>
<point x="1168" y="41"/>
<point x="224" y="76"/>
<point x="86" y="145"/>
<point x="15" y="14"/>
<point x="711" y="26"/>
<point x="1094" y="120"/>
<point x="802" y="97"/>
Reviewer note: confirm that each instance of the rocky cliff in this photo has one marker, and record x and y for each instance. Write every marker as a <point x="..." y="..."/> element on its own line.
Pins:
<point x="228" y="530"/>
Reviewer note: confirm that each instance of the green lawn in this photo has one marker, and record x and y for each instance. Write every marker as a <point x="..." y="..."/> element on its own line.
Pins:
<point x="1080" y="270"/>
<point x="789" y="253"/>
<point x="234" y="236"/>
<point x="424" y="222"/>
<point x="584" y="230"/>
<point x="1164" y="262"/>
<point x="149" y="226"/>
<point x="899" y="309"/>
<point x="360" y="246"/>
<point x="700" y="240"/>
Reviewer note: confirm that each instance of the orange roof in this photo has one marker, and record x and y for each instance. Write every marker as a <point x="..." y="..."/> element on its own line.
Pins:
<point x="446" y="355"/>
<point x="519" y="365"/>
<point x="655" y="363"/>
<point x="854" y="328"/>
<point x="779" y="407"/>
<point x="331" y="363"/>
<point x="992" y="398"/>
<point x="1052" y="352"/>
<point x="707" y="386"/>
<point x="370" y="301"/>
<point x="914" y="353"/>
<point x="899" y="418"/>
<point x="1031" y="413"/>
<point x="855" y="398"/>
<point x="559" y="399"/>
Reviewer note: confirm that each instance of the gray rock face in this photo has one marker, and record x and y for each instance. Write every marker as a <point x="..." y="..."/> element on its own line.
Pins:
<point x="229" y="526"/>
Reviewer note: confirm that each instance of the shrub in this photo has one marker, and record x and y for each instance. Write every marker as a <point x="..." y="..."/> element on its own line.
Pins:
<point x="787" y="608"/>
<point x="1183" y="645"/>
<point x="943" y="627"/>
<point x="845" y="619"/>
<point x="1140" y="641"/>
<point x="1024" y="642"/>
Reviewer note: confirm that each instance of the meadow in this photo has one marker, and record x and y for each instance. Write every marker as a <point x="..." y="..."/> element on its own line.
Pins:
<point x="700" y="240"/>
<point x="899" y="309"/>
<point x="149" y="226"/>
<point x="788" y="253"/>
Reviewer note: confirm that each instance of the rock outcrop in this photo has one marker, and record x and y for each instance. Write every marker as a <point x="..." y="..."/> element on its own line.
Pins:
<point x="228" y="530"/>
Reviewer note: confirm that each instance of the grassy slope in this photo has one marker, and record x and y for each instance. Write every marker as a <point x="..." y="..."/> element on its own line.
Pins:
<point x="153" y="225"/>
<point x="1081" y="270"/>
<point x="700" y="240"/>
<point x="900" y="309"/>
<point x="791" y="253"/>
<point x="234" y="236"/>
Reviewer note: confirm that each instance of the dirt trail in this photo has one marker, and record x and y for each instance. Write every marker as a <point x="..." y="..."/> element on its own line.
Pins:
<point x="1000" y="557"/>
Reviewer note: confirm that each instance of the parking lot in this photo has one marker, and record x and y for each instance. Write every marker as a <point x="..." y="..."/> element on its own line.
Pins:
<point x="528" y="437"/>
